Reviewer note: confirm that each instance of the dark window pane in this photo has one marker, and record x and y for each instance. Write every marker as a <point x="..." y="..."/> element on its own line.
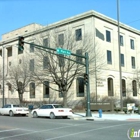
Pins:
<point x="108" y="36"/>
<point x="61" y="39"/>
<point x="121" y="40"/>
<point x="9" y="52"/>
<point x="122" y="60"/>
<point x="79" y="59"/>
<point x="123" y="88"/>
<point x="134" y="88"/>
<point x="45" y="42"/>
<point x="32" y="65"/>
<point x="110" y="87"/>
<point x="61" y="60"/>
<point x="32" y="90"/>
<point x="78" y="33"/>
<point x="133" y="62"/>
<point x="109" y="57"/>
<point x="46" y="90"/>
<point x="45" y="62"/>
<point x="80" y="87"/>
<point x="132" y="44"/>
<point x="32" y="47"/>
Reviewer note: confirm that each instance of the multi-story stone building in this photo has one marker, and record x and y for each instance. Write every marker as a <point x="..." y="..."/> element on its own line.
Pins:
<point x="103" y="32"/>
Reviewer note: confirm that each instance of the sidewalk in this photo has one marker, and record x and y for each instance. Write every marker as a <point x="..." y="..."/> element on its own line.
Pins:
<point x="107" y="116"/>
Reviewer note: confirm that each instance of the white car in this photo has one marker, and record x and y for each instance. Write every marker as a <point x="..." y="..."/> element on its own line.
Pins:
<point x="11" y="109"/>
<point x="52" y="111"/>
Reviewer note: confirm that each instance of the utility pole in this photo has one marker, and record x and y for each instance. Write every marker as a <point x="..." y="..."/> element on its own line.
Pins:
<point x="119" y="51"/>
<point x="3" y="101"/>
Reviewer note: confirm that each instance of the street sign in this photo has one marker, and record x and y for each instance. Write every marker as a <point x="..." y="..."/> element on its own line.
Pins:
<point x="63" y="51"/>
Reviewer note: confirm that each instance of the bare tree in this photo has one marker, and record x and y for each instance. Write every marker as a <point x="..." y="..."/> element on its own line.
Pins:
<point x="62" y="69"/>
<point x="19" y="77"/>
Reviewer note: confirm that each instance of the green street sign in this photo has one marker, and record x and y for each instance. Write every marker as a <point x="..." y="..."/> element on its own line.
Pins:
<point x="63" y="51"/>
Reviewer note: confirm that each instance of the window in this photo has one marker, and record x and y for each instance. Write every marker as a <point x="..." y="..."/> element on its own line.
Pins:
<point x="32" y="47"/>
<point x="121" y="40"/>
<point x="45" y="62"/>
<point x="123" y="88"/>
<point x="0" y="90"/>
<point x="79" y="59"/>
<point x="32" y="65"/>
<point x="122" y="60"/>
<point x="61" y="60"/>
<point x="9" y="51"/>
<point x="134" y="87"/>
<point x="0" y="52"/>
<point x="78" y="33"/>
<point x="110" y="87"/>
<point x="45" y="42"/>
<point x="61" y="39"/>
<point x="46" y="90"/>
<point x="132" y="44"/>
<point x="133" y="62"/>
<point x="32" y="90"/>
<point x="109" y="57"/>
<point x="108" y="36"/>
<point x="80" y="87"/>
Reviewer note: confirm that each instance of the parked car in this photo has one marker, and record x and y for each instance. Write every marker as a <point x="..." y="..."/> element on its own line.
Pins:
<point x="11" y="110"/>
<point x="52" y="111"/>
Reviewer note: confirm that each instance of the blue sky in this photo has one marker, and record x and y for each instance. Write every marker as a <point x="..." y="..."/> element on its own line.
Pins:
<point x="18" y="13"/>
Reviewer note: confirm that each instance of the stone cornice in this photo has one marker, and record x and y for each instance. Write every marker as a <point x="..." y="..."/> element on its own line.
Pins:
<point x="74" y="19"/>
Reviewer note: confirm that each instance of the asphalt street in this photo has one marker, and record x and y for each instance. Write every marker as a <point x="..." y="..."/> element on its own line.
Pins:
<point x="28" y="128"/>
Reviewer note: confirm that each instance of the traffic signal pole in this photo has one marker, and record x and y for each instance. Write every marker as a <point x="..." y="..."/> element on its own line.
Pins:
<point x="88" y="111"/>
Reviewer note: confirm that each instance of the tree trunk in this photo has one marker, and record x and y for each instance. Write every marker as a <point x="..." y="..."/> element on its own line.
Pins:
<point x="20" y="97"/>
<point x="65" y="98"/>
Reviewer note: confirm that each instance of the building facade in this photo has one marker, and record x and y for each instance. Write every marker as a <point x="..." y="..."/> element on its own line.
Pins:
<point x="103" y="33"/>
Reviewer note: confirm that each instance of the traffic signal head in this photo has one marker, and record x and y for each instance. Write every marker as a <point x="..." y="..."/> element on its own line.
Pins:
<point x="20" y="43"/>
<point x="86" y="78"/>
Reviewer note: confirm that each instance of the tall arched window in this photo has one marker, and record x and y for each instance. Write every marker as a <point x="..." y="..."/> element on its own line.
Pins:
<point x="0" y="90"/>
<point x="80" y="87"/>
<point x="134" y="87"/>
<point x="46" y="90"/>
<point x="110" y="87"/>
<point x="32" y="90"/>
<point x="123" y="88"/>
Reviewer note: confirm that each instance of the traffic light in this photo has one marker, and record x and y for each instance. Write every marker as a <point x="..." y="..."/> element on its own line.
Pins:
<point x="86" y="78"/>
<point x="20" y="43"/>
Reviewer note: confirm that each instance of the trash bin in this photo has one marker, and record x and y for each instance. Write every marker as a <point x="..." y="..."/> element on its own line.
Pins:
<point x="100" y="113"/>
<point x="30" y="107"/>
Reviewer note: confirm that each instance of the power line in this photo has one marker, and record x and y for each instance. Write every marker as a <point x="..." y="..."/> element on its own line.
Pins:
<point x="133" y="21"/>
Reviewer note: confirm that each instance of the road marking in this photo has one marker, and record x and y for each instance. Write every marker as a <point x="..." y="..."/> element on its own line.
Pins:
<point x="88" y="131"/>
<point x="9" y="130"/>
<point x="33" y="132"/>
<point x="62" y="128"/>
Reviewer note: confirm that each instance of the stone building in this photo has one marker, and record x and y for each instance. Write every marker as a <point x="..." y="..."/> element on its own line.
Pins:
<point x="103" y="33"/>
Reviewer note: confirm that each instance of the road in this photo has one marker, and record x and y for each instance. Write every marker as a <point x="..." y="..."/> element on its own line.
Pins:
<point x="27" y="128"/>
